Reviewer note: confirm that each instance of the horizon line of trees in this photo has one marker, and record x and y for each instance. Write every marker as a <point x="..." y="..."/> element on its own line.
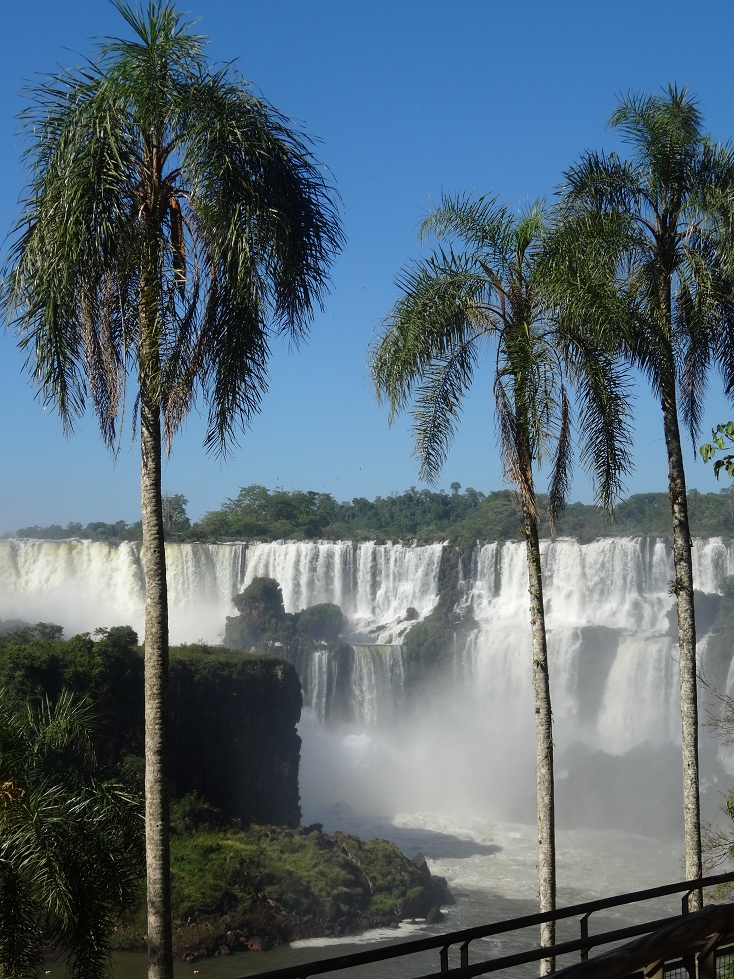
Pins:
<point x="423" y="515"/>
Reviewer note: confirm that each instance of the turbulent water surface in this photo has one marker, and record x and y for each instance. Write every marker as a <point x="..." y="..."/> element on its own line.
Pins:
<point x="451" y="775"/>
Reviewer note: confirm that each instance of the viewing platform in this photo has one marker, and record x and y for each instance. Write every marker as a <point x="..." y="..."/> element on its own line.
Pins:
<point x="696" y="945"/>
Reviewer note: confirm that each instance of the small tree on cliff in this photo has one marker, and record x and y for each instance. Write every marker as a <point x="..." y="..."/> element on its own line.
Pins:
<point x="173" y="224"/>
<point x="643" y="261"/>
<point x="487" y="297"/>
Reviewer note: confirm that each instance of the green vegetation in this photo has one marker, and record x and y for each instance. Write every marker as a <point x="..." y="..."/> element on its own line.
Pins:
<point x="722" y="438"/>
<point x="462" y="518"/>
<point x="459" y="517"/>
<point x="175" y="522"/>
<point x="232" y="715"/>
<point x="642" y="262"/>
<point x="106" y="667"/>
<point x="233" y="764"/>
<point x="173" y="224"/>
<point x="263" y="620"/>
<point x="71" y="839"/>
<point x="96" y="530"/>
<point x="236" y="889"/>
<point x="233" y="723"/>
<point x="322" y="623"/>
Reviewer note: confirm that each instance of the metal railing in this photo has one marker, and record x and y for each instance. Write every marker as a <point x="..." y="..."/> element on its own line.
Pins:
<point x="464" y="938"/>
<point x="693" y="946"/>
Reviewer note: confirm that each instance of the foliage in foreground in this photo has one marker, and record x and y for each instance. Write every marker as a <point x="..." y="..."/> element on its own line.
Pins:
<point x="70" y="840"/>
<point x="173" y="225"/>
<point x="722" y="438"/>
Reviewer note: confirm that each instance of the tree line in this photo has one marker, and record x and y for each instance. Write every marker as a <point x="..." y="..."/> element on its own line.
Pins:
<point x="175" y="223"/>
<point x="423" y="515"/>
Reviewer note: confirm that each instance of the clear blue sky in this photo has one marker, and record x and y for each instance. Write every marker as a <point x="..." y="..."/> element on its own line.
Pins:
<point x="408" y="97"/>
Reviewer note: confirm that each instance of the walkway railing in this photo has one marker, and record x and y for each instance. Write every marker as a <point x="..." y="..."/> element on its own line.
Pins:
<point x="691" y="927"/>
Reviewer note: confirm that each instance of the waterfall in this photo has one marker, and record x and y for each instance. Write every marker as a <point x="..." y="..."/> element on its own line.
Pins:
<point x="372" y="583"/>
<point x="83" y="584"/>
<point x="613" y="654"/>
<point x="612" y="659"/>
<point x="358" y="684"/>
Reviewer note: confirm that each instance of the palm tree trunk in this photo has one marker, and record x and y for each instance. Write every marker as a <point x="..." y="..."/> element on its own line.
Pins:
<point x="683" y="589"/>
<point x="157" y="817"/>
<point x="160" y="960"/>
<point x="544" y="740"/>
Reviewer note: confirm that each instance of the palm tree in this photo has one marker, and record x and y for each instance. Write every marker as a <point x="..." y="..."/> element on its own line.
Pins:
<point x="71" y="853"/>
<point x="454" y="304"/>
<point x="174" y="224"/>
<point x="644" y="262"/>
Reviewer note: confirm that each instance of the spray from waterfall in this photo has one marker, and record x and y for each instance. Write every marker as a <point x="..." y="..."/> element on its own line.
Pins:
<point x="462" y="743"/>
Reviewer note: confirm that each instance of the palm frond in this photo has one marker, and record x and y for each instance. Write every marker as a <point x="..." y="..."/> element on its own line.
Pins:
<point x="561" y="470"/>
<point x="438" y="406"/>
<point x="604" y="184"/>
<point x="628" y="234"/>
<point x="481" y="223"/>
<point x="244" y="230"/>
<point x="21" y="941"/>
<point x="443" y="307"/>
<point x="602" y="384"/>
<point x="70" y="844"/>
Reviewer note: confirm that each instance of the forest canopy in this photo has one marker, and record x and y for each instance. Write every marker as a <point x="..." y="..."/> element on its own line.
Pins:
<point x="459" y="516"/>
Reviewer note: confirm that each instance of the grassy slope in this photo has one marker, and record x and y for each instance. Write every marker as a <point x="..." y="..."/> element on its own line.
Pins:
<point x="234" y="889"/>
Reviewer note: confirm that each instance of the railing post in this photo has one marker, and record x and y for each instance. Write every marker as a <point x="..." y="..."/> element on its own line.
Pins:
<point x="584" y="924"/>
<point x="465" y="955"/>
<point x="707" y="958"/>
<point x="684" y="902"/>
<point x="656" y="970"/>
<point x="444" y="957"/>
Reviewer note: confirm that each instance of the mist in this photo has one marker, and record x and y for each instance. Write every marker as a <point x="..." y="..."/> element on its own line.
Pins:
<point x="462" y="742"/>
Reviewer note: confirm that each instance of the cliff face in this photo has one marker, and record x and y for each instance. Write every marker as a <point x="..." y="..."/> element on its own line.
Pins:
<point x="233" y="734"/>
<point x="232" y="715"/>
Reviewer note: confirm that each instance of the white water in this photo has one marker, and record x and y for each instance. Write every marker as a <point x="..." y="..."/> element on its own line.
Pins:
<point x="613" y="661"/>
<point x="462" y="760"/>
<point x="82" y="585"/>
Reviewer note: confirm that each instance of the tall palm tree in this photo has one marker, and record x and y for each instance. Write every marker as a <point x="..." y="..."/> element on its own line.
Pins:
<point x="643" y="260"/>
<point x="174" y="224"/>
<point x="71" y="853"/>
<point x="455" y="304"/>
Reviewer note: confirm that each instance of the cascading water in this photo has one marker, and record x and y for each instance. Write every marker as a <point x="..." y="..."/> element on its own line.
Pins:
<point x="360" y="684"/>
<point x="463" y="751"/>
<point x="372" y="583"/>
<point x="613" y="657"/>
<point x="82" y="584"/>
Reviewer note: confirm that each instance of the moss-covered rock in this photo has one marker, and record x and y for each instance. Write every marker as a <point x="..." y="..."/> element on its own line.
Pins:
<point x="322" y="623"/>
<point x="428" y="647"/>
<point x="263" y="621"/>
<point x="233" y="732"/>
<point x="234" y="890"/>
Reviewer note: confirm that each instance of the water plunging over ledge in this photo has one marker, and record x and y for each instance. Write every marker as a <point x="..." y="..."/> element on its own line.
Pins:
<point x="467" y="743"/>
